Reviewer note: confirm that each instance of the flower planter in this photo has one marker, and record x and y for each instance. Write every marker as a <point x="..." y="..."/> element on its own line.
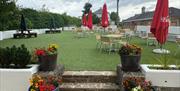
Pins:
<point x="16" y="79"/>
<point x="130" y="62"/>
<point x="162" y="78"/>
<point x="57" y="89"/>
<point x="47" y="62"/>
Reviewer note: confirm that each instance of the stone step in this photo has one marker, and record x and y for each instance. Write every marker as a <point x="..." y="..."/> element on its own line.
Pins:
<point x="89" y="76"/>
<point x="89" y="87"/>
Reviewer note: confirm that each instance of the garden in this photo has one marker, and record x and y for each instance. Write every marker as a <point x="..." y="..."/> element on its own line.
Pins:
<point x="79" y="54"/>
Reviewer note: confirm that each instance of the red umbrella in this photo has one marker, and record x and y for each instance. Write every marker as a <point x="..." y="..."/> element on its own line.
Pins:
<point x="160" y="23"/>
<point x="84" y="20"/>
<point x="104" y="19"/>
<point x="89" y="23"/>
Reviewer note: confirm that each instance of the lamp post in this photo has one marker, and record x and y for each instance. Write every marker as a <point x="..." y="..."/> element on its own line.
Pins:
<point x="117" y="19"/>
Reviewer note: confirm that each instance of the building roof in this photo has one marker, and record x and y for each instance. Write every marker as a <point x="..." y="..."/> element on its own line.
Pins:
<point x="173" y="12"/>
<point x="99" y="11"/>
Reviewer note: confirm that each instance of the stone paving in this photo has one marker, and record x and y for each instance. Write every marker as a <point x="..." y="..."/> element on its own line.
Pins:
<point x="89" y="81"/>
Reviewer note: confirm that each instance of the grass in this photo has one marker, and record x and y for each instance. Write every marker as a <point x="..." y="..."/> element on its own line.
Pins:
<point x="81" y="54"/>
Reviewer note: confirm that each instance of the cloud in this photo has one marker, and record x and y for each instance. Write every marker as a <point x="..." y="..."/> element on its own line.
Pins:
<point x="127" y="8"/>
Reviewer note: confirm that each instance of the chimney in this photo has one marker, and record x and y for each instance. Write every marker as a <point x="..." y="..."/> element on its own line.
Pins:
<point x="143" y="10"/>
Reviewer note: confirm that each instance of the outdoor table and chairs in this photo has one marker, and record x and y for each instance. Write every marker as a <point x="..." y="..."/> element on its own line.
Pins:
<point x="111" y="42"/>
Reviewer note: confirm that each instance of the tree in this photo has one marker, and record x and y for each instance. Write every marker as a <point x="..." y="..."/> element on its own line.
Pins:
<point x="7" y="8"/>
<point x="114" y="16"/>
<point x="96" y="20"/>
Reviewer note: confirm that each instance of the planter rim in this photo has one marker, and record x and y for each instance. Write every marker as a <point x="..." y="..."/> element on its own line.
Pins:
<point x="32" y="67"/>
<point x="147" y="69"/>
<point x="130" y="55"/>
<point x="47" y="55"/>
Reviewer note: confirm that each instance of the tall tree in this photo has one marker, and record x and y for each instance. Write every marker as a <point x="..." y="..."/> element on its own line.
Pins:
<point x="114" y="16"/>
<point x="7" y="8"/>
<point x="96" y="20"/>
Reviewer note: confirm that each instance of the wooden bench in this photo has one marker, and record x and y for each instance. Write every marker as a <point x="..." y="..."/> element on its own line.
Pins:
<point x="52" y="31"/>
<point x="24" y="35"/>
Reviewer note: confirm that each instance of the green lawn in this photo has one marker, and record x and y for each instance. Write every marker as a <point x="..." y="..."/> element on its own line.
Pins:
<point x="81" y="54"/>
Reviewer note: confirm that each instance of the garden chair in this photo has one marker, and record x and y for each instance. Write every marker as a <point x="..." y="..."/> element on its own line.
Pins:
<point x="98" y="40"/>
<point x="128" y="37"/>
<point x="178" y="44"/>
<point x="151" y="39"/>
<point x="106" y="44"/>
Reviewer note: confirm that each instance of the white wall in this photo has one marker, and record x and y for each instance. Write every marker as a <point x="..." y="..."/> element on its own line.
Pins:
<point x="9" y="34"/>
<point x="69" y="28"/>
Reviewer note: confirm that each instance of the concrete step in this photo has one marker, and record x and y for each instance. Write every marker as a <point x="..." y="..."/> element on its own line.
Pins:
<point x="89" y="76"/>
<point x="89" y="87"/>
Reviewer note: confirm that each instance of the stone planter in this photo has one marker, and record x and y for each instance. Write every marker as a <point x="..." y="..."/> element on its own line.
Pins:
<point x="47" y="62"/>
<point x="16" y="79"/>
<point x="162" y="78"/>
<point x="130" y="62"/>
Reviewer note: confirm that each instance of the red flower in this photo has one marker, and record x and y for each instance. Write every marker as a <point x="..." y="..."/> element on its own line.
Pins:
<point x="42" y="88"/>
<point x="40" y="52"/>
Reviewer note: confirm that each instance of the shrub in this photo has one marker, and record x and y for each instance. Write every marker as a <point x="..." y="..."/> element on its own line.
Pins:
<point x="22" y="56"/>
<point x="6" y="58"/>
<point x="19" y="56"/>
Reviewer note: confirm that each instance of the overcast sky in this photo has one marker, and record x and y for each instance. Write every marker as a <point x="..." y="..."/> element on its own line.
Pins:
<point x="127" y="8"/>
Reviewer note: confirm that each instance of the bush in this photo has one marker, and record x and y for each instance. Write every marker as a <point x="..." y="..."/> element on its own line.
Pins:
<point x="1" y="55"/>
<point x="6" y="58"/>
<point x="19" y="56"/>
<point x="22" y="56"/>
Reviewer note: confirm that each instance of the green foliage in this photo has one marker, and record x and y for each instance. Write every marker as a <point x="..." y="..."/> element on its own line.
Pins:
<point x="6" y="58"/>
<point x="10" y="18"/>
<point x="87" y="7"/>
<point x="113" y="16"/>
<point x="96" y="20"/>
<point x="163" y="60"/>
<point x="7" y="11"/>
<point x="20" y="56"/>
<point x="1" y="55"/>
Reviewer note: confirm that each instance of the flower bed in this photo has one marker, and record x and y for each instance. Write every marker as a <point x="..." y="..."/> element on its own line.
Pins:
<point x="137" y="84"/>
<point x="45" y="83"/>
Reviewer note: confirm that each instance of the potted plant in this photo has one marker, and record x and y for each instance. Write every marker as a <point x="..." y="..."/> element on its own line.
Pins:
<point x="137" y="84"/>
<point x="14" y="68"/>
<point x="47" y="57"/>
<point x="163" y="75"/>
<point x="130" y="56"/>
<point x="45" y="83"/>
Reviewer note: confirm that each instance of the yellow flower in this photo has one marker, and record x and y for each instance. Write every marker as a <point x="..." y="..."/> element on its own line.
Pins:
<point x="53" y="46"/>
<point x="31" y="82"/>
<point x="33" y="90"/>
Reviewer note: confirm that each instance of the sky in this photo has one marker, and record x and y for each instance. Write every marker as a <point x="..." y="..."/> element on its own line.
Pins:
<point x="127" y="8"/>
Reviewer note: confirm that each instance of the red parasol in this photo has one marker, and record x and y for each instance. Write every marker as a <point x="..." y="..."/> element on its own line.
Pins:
<point x="84" y="20"/>
<point x="104" y="21"/>
<point x="89" y="23"/>
<point x="160" y="23"/>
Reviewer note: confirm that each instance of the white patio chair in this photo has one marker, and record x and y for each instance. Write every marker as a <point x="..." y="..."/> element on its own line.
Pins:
<point x="151" y="40"/>
<point x="178" y="45"/>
